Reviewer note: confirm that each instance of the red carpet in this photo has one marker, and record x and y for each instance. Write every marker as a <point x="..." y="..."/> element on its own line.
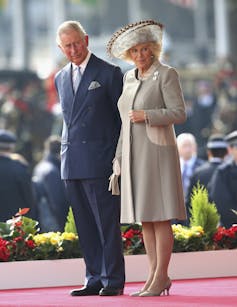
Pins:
<point x="195" y="292"/>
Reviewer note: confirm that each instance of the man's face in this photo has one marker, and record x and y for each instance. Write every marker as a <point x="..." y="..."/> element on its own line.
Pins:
<point x="186" y="149"/>
<point x="74" y="46"/>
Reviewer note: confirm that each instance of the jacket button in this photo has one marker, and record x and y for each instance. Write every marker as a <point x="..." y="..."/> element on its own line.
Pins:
<point x="83" y="142"/>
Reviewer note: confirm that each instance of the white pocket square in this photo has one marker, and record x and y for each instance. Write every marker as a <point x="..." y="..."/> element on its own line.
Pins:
<point x="94" y="85"/>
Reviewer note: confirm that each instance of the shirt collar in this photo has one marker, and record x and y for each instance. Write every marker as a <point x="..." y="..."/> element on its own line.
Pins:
<point x="215" y="160"/>
<point x="188" y="163"/>
<point x="83" y="64"/>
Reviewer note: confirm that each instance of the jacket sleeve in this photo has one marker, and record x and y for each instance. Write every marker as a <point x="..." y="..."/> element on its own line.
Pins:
<point x="174" y="110"/>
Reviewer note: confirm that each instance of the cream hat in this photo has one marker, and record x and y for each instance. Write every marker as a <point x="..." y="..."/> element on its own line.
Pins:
<point x="133" y="34"/>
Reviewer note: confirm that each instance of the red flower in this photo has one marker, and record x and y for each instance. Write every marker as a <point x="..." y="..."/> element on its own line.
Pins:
<point x="30" y="244"/>
<point x="23" y="211"/>
<point x="4" y="251"/>
<point x="129" y="234"/>
<point x="18" y="224"/>
<point x="18" y="239"/>
<point x="226" y="238"/>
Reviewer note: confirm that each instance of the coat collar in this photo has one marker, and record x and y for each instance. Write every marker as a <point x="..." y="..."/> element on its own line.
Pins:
<point x="152" y="71"/>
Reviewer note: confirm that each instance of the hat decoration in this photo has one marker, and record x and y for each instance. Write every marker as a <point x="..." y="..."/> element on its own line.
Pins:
<point x="133" y="34"/>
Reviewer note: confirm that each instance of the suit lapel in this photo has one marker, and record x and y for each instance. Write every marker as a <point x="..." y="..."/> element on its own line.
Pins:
<point x="88" y="76"/>
<point x="68" y="92"/>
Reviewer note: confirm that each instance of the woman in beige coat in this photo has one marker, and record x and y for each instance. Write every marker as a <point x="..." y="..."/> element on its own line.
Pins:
<point x="151" y="186"/>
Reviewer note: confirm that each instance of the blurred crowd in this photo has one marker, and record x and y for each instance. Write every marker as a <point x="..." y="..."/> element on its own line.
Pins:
<point x="29" y="110"/>
<point x="211" y="103"/>
<point x="26" y="104"/>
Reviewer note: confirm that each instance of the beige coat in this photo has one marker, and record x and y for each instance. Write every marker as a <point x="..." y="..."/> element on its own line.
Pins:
<point x="151" y="186"/>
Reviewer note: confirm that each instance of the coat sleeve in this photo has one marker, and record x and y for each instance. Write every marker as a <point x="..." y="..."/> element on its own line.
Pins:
<point x="116" y="85"/>
<point x="174" y="105"/>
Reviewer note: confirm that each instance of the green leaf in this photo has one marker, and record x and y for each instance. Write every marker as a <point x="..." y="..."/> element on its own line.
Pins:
<point x="70" y="225"/>
<point x="29" y="225"/>
<point x="5" y="229"/>
<point x="203" y="213"/>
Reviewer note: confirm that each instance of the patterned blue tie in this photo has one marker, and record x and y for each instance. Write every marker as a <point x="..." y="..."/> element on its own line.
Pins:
<point x="185" y="178"/>
<point x="77" y="79"/>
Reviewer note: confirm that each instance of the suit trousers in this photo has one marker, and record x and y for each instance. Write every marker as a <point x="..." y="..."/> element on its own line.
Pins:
<point x="97" y="217"/>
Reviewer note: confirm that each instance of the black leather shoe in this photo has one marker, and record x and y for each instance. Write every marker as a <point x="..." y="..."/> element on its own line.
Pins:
<point x="107" y="291"/>
<point x="85" y="291"/>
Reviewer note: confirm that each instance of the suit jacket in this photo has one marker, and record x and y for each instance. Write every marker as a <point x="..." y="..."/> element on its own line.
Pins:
<point x="203" y="174"/>
<point x="223" y="192"/>
<point x="91" y="120"/>
<point x="52" y="202"/>
<point x="16" y="190"/>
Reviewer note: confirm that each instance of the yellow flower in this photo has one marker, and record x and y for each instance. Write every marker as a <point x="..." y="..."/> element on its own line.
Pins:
<point x="182" y="232"/>
<point x="54" y="240"/>
<point x="69" y="236"/>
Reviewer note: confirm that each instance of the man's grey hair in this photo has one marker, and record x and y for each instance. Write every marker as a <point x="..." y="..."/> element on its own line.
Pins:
<point x="67" y="26"/>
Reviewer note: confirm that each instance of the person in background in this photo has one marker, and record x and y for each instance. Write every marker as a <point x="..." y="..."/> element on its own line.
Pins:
<point x="52" y="202"/>
<point x="189" y="161"/>
<point x="151" y="186"/>
<point x="223" y="185"/>
<point x="88" y="90"/>
<point x="188" y="124"/>
<point x="216" y="152"/>
<point x="16" y="190"/>
<point x="204" y="106"/>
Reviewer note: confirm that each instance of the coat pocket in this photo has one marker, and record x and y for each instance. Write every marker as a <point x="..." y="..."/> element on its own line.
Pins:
<point x="161" y="135"/>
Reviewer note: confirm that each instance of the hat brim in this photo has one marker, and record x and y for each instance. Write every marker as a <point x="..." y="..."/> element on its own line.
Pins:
<point x="132" y="35"/>
<point x="216" y="144"/>
<point x="231" y="138"/>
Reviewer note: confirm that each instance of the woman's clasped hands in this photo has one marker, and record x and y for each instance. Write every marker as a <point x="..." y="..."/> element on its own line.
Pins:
<point x="137" y="116"/>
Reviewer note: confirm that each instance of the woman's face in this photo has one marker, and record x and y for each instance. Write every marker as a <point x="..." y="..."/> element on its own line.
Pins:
<point x="142" y="56"/>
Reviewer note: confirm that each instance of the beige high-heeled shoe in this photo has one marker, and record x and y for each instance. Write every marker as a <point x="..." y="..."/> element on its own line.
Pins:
<point x="137" y="293"/>
<point x="164" y="291"/>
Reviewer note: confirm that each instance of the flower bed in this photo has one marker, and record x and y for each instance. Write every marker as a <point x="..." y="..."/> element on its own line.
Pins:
<point x="20" y="240"/>
<point x="186" y="239"/>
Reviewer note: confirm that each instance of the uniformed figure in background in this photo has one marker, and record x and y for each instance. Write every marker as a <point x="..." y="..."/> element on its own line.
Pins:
<point x="216" y="149"/>
<point x="52" y="202"/>
<point x="223" y="186"/>
<point x="15" y="180"/>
